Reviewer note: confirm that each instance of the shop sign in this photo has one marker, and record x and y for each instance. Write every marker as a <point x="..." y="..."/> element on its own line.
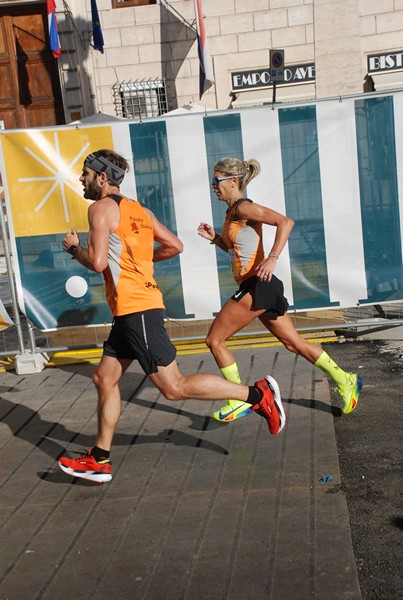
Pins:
<point x="260" y="78"/>
<point x="388" y="61"/>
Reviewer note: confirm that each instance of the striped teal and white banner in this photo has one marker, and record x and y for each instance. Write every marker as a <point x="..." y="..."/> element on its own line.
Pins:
<point x="334" y="166"/>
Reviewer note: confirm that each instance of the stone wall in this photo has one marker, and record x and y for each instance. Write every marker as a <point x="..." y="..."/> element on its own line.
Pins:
<point x="147" y="42"/>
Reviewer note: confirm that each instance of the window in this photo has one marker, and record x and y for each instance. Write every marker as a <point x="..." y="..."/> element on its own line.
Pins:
<point x="140" y="99"/>
<point x="123" y="3"/>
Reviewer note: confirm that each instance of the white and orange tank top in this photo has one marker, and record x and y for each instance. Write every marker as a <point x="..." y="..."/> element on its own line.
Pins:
<point x="129" y="279"/>
<point x="244" y="241"/>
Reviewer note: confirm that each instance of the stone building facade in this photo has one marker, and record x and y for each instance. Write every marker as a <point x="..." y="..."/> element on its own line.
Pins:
<point x="326" y="43"/>
<point x="150" y="62"/>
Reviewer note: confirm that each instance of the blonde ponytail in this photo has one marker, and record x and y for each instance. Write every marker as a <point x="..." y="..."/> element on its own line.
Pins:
<point x="246" y="170"/>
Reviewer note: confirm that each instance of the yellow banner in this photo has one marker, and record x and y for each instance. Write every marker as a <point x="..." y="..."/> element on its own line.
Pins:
<point x="5" y="320"/>
<point x="43" y="169"/>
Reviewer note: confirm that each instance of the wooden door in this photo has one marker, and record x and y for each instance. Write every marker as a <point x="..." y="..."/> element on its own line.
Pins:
<point x="30" y="93"/>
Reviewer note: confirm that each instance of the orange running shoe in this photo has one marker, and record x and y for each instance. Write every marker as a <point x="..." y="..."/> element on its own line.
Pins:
<point x="270" y="406"/>
<point x="87" y="467"/>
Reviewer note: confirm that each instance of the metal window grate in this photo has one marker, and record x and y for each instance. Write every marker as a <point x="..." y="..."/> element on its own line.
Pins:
<point x="123" y="3"/>
<point x="140" y="99"/>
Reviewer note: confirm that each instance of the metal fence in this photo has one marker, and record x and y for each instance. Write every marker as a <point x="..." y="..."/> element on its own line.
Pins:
<point x="350" y="322"/>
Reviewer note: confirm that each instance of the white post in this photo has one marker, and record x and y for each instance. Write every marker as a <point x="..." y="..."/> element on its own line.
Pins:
<point x="25" y="362"/>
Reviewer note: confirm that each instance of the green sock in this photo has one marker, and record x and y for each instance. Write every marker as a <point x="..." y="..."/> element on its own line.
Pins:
<point x="327" y="364"/>
<point x="231" y="373"/>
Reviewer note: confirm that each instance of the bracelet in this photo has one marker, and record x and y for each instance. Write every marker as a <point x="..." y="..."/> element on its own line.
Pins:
<point x="216" y="239"/>
<point x="272" y="255"/>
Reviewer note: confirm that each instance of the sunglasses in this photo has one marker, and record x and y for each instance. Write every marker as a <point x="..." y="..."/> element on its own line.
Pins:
<point x="216" y="180"/>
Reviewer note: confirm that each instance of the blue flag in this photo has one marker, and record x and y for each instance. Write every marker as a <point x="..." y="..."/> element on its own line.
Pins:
<point x="96" y="28"/>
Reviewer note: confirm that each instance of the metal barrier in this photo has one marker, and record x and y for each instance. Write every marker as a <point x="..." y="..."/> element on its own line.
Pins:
<point x="32" y="347"/>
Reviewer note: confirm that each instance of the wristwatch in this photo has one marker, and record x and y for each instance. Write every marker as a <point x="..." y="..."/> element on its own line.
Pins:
<point x="72" y="250"/>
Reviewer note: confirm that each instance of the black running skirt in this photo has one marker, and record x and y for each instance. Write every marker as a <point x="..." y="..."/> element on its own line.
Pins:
<point x="266" y="294"/>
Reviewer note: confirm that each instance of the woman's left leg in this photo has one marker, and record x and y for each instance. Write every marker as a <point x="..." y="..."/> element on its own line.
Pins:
<point x="283" y="329"/>
<point x="349" y="384"/>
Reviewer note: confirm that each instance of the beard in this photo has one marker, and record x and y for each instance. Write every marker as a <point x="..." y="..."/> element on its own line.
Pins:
<point x="92" y="191"/>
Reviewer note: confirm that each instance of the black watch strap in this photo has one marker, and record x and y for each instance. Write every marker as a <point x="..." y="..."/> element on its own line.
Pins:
<point x="72" y="250"/>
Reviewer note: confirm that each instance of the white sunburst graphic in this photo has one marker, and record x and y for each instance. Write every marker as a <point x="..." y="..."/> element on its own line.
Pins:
<point x="60" y="171"/>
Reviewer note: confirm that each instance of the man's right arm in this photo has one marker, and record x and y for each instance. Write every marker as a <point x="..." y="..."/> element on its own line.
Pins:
<point x="170" y="244"/>
<point x="95" y="257"/>
<point x="71" y="244"/>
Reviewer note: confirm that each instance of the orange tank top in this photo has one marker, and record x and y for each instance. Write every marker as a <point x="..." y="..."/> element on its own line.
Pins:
<point x="129" y="279"/>
<point x="244" y="241"/>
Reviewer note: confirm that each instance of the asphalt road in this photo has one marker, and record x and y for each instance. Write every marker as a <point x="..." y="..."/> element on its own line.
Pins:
<point x="369" y="444"/>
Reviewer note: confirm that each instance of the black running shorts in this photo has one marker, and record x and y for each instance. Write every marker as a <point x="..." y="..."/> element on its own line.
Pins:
<point x="141" y="336"/>
<point x="266" y="294"/>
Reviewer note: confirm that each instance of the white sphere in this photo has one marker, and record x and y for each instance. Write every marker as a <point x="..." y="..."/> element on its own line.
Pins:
<point x="76" y="286"/>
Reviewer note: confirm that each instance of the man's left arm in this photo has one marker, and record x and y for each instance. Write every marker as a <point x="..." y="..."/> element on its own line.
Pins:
<point x="170" y="244"/>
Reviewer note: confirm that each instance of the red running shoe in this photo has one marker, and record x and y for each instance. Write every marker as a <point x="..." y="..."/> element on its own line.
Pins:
<point x="270" y="406"/>
<point x="87" y="467"/>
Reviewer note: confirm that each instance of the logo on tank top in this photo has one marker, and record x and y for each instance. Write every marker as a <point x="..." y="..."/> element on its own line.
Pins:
<point x="134" y="226"/>
<point x="139" y="223"/>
